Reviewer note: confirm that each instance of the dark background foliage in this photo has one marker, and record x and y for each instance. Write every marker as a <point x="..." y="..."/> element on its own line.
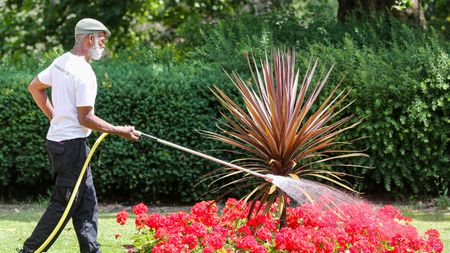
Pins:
<point x="399" y="75"/>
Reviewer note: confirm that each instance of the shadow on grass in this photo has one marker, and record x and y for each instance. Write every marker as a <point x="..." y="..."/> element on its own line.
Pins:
<point x="429" y="217"/>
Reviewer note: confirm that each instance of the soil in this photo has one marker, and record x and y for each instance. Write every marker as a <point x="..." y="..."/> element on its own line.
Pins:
<point x="104" y="208"/>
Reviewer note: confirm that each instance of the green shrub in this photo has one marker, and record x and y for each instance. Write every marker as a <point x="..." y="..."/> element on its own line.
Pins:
<point x="170" y="101"/>
<point x="400" y="80"/>
<point x="399" y="77"/>
<point x="403" y="92"/>
<point x="22" y="129"/>
<point x="443" y="202"/>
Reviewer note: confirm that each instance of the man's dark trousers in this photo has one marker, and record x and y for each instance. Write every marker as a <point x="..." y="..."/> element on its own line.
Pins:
<point x="67" y="159"/>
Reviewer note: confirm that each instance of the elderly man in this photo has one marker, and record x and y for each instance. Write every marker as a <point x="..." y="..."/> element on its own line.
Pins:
<point x="71" y="113"/>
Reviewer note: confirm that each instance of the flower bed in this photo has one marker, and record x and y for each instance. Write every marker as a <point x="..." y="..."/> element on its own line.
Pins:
<point x="309" y="228"/>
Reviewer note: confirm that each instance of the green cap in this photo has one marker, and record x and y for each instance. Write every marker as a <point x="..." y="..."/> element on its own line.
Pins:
<point x="90" y="25"/>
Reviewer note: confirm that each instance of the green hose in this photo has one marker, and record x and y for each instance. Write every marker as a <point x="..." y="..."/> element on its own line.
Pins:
<point x="74" y="193"/>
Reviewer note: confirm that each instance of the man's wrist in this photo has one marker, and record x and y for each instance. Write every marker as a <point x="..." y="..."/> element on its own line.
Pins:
<point x="115" y="130"/>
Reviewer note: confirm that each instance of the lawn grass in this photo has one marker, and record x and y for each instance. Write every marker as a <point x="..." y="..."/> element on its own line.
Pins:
<point x="439" y="220"/>
<point x="17" y="223"/>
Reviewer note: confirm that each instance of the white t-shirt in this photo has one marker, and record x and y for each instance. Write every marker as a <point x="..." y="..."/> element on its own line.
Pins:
<point x="73" y="85"/>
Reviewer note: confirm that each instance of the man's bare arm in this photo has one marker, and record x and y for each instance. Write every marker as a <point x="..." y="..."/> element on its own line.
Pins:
<point x="37" y="90"/>
<point x="88" y="119"/>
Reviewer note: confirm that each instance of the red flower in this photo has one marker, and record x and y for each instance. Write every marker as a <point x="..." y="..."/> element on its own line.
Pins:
<point x="389" y="212"/>
<point x="140" y="209"/>
<point x="197" y="229"/>
<point x="205" y="212"/>
<point x="121" y="217"/>
<point x="209" y="249"/>
<point x="244" y="230"/>
<point x="214" y="241"/>
<point x="432" y="233"/>
<point x="264" y="234"/>
<point x="310" y="228"/>
<point x="167" y="248"/>
<point x="249" y="243"/>
<point x="153" y="220"/>
<point x="435" y="244"/>
<point x="139" y="221"/>
<point x="190" y="240"/>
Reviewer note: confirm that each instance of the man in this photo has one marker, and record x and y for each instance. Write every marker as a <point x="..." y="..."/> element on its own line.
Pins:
<point x="72" y="119"/>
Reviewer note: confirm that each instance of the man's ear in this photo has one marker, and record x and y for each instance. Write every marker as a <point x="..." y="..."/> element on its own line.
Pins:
<point x="91" y="39"/>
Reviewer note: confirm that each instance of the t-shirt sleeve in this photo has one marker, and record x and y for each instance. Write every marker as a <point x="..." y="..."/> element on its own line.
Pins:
<point x="45" y="76"/>
<point x="86" y="91"/>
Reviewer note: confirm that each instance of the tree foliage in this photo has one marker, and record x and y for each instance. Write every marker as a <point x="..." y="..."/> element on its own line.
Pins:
<point x="33" y="25"/>
<point x="39" y="25"/>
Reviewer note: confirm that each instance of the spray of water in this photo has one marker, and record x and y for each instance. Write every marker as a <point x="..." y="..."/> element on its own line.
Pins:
<point x="304" y="191"/>
<point x="300" y="190"/>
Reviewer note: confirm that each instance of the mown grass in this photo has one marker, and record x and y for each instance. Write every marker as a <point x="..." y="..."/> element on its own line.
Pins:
<point x="439" y="220"/>
<point x="17" y="223"/>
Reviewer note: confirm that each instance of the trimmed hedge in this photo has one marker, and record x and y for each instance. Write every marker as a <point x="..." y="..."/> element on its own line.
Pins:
<point x="399" y="76"/>
<point x="401" y="83"/>
<point x="168" y="101"/>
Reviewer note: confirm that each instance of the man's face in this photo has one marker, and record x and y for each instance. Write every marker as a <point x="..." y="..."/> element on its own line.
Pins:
<point x="98" y="42"/>
<point x="101" y="39"/>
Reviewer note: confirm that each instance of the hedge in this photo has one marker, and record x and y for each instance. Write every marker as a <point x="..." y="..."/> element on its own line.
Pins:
<point x="399" y="78"/>
<point x="169" y="102"/>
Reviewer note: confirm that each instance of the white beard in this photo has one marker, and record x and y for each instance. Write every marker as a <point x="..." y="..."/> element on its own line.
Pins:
<point x="96" y="52"/>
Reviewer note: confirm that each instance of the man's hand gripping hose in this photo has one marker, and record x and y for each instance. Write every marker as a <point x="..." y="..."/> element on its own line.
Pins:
<point x="141" y="134"/>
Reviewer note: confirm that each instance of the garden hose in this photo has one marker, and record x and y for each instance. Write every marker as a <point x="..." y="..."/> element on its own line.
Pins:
<point x="268" y="178"/>
<point x="74" y="193"/>
<point x="88" y="159"/>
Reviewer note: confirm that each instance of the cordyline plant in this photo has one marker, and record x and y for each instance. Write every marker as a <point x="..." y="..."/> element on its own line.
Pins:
<point x="278" y="130"/>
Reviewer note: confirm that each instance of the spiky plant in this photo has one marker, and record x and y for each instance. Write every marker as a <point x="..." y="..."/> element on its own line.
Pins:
<point x="277" y="130"/>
